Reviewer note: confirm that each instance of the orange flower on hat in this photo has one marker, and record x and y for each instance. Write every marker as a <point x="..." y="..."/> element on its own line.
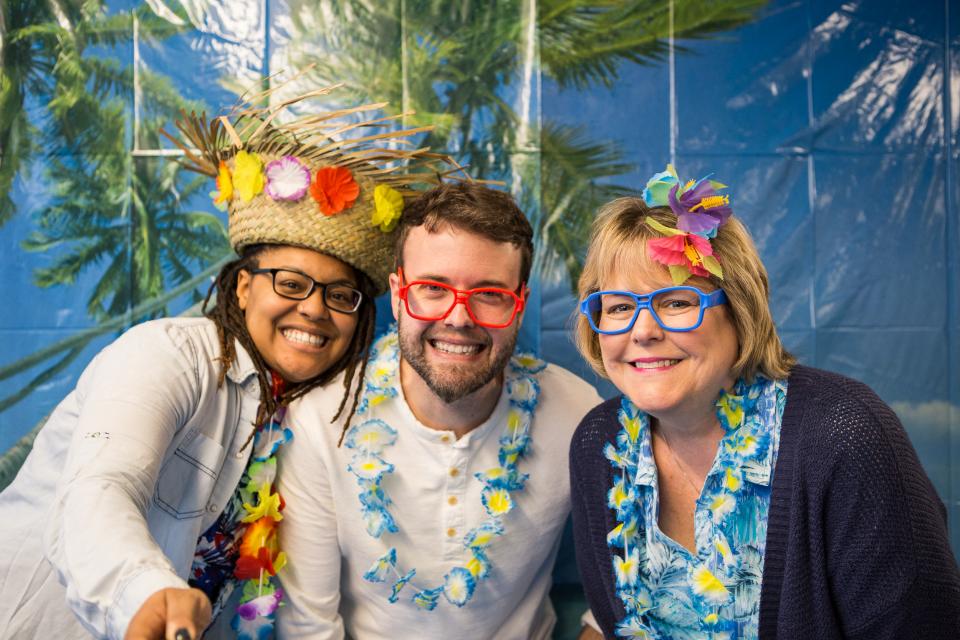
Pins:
<point x="224" y="187"/>
<point x="334" y="189"/>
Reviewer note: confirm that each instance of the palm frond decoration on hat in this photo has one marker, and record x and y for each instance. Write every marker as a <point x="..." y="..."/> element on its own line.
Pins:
<point x="320" y="181"/>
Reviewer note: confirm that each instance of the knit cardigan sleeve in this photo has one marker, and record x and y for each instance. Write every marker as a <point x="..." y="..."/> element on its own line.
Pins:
<point x="867" y="553"/>
<point x="590" y="479"/>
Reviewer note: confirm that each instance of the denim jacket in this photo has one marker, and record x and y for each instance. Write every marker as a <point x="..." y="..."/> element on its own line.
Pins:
<point x="130" y="468"/>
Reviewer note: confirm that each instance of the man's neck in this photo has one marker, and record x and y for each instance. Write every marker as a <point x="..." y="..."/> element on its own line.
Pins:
<point x="461" y="416"/>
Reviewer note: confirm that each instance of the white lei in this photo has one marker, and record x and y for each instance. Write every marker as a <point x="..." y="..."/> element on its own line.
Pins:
<point x="371" y="438"/>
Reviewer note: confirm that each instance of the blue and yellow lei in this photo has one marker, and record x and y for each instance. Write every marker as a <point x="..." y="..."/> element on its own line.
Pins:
<point x="371" y="438"/>
<point x="713" y="593"/>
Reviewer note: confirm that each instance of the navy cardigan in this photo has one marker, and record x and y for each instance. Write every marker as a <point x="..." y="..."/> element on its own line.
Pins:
<point x="857" y="543"/>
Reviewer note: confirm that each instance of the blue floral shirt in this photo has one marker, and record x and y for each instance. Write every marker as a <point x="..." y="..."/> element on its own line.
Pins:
<point x="669" y="592"/>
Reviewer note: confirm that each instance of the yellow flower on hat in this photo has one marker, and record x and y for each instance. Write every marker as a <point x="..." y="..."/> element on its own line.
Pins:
<point x="248" y="177"/>
<point x="224" y="186"/>
<point x="388" y="205"/>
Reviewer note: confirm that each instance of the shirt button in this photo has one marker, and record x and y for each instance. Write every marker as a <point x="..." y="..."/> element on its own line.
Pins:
<point x="451" y="532"/>
<point x="212" y="508"/>
<point x="454" y="472"/>
<point x="445" y="438"/>
<point x="452" y="500"/>
<point x="240" y="454"/>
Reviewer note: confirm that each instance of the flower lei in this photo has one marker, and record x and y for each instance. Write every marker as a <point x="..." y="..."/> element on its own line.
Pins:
<point x="371" y="438"/>
<point x="288" y="180"/>
<point x="686" y="251"/>
<point x="736" y="414"/>
<point x="260" y="557"/>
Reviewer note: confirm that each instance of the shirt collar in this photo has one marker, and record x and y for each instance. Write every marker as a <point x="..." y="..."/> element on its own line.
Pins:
<point x="242" y="366"/>
<point x="646" y="467"/>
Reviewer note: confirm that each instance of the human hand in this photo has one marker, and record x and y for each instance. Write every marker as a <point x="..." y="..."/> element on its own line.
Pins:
<point x="171" y="614"/>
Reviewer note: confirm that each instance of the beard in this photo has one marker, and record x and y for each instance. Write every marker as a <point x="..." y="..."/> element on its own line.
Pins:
<point x="453" y="382"/>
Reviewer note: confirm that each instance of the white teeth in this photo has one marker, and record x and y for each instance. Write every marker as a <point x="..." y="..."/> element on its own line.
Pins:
<point x="448" y="347"/>
<point x="654" y="365"/>
<point x="295" y="335"/>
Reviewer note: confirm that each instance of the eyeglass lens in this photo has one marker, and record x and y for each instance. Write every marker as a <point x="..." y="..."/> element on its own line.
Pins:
<point x="434" y="301"/>
<point x="298" y="286"/>
<point x="678" y="309"/>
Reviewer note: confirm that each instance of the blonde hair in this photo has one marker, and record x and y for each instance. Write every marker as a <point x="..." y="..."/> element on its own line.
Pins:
<point x="618" y="242"/>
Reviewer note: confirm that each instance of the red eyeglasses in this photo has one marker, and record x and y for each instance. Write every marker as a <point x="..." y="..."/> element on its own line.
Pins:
<point x="487" y="306"/>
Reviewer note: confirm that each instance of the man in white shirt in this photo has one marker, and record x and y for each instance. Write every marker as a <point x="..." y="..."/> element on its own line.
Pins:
<point x="441" y="513"/>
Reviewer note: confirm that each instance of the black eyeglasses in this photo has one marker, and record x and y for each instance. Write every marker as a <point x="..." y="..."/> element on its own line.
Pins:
<point x="300" y="286"/>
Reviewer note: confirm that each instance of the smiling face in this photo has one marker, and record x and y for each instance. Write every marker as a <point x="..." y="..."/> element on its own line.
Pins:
<point x="298" y="339"/>
<point x="675" y="377"/>
<point x="454" y="357"/>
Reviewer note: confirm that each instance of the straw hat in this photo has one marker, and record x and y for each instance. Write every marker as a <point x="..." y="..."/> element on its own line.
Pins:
<point x="311" y="182"/>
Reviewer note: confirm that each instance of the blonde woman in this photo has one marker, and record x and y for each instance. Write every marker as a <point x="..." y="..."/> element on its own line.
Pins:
<point x="731" y="492"/>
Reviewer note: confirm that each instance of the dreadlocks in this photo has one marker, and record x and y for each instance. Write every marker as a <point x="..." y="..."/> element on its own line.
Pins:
<point x="231" y="326"/>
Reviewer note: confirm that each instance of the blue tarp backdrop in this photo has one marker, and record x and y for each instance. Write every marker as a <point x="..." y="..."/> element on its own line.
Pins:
<point x="835" y="125"/>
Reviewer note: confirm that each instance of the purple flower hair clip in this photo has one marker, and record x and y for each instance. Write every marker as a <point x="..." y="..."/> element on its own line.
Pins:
<point x="699" y="208"/>
<point x="686" y="250"/>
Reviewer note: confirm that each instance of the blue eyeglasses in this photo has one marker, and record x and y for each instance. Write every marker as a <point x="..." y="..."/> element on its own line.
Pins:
<point x="673" y="308"/>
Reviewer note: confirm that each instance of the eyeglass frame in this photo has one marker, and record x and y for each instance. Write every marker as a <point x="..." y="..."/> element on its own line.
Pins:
<point x="713" y="299"/>
<point x="314" y="285"/>
<point x="460" y="296"/>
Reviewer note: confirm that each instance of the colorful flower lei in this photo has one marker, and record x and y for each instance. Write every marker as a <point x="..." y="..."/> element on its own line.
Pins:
<point x="372" y="437"/>
<point x="747" y="437"/>
<point x="686" y="251"/>
<point x="260" y="557"/>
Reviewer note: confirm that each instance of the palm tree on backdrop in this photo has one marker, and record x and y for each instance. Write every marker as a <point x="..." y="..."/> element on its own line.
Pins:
<point x="51" y="90"/>
<point x="64" y="108"/>
<point x="464" y="67"/>
<point x="140" y="228"/>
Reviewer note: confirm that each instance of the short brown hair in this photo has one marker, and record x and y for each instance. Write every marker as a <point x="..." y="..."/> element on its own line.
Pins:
<point x="618" y="241"/>
<point x="472" y="207"/>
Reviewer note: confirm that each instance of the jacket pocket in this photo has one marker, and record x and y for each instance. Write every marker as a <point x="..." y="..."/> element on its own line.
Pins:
<point x="187" y="479"/>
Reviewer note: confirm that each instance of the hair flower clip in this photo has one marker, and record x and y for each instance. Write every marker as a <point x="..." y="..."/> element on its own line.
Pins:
<point x="699" y="208"/>
<point x="287" y="179"/>
<point x="657" y="191"/>
<point x="388" y="205"/>
<point x="686" y="251"/>
<point x="334" y="189"/>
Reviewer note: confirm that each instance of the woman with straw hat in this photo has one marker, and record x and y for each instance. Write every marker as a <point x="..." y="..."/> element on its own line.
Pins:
<point x="148" y="501"/>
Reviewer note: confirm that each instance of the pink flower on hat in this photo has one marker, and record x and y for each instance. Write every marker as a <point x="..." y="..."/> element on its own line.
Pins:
<point x="287" y="179"/>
